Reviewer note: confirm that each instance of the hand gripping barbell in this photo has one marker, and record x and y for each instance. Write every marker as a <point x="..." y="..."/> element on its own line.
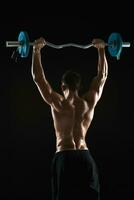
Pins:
<point x="115" y="44"/>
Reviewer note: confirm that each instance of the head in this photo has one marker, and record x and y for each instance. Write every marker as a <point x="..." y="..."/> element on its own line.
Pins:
<point x="71" y="81"/>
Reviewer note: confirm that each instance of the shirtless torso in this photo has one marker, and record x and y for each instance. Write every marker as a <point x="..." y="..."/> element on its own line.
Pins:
<point x="72" y="115"/>
<point x="71" y="124"/>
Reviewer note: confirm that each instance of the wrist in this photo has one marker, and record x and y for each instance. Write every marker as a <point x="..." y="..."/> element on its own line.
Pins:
<point x="101" y="50"/>
<point x="36" y="50"/>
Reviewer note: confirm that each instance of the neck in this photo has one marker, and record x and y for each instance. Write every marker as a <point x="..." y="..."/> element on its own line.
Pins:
<point x="70" y="95"/>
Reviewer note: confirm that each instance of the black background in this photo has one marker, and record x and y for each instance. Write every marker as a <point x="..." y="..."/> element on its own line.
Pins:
<point x="27" y="133"/>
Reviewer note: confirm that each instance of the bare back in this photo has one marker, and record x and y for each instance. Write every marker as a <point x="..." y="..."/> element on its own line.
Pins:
<point x="72" y="118"/>
<point x="71" y="124"/>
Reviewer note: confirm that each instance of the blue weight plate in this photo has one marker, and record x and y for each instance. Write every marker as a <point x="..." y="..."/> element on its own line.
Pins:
<point x="23" y="49"/>
<point x="115" y="45"/>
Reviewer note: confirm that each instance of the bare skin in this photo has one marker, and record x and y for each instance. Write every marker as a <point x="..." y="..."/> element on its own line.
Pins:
<point x="72" y="115"/>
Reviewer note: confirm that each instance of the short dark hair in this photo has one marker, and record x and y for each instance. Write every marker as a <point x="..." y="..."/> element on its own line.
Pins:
<point x="72" y="80"/>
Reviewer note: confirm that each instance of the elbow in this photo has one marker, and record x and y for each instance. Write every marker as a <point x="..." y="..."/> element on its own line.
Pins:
<point x="34" y="77"/>
<point x="103" y="77"/>
<point x="37" y="78"/>
<point x="103" y="80"/>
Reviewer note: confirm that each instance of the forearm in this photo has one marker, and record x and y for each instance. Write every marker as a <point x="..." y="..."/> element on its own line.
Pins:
<point x="102" y="72"/>
<point x="102" y="64"/>
<point x="98" y="82"/>
<point x="37" y="69"/>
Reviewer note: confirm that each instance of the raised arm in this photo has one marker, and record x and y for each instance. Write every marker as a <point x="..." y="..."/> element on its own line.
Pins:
<point x="50" y="97"/>
<point x="98" y="82"/>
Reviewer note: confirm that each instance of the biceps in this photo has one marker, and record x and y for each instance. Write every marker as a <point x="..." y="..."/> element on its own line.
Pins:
<point x="45" y="92"/>
<point x="49" y="96"/>
<point x="98" y="83"/>
<point x="92" y="98"/>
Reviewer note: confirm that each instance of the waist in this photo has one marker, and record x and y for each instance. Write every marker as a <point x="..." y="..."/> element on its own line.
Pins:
<point x="70" y="143"/>
<point x="71" y="146"/>
<point x="71" y="149"/>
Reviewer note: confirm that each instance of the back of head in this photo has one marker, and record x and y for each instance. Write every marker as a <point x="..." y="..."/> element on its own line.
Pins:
<point x="72" y="80"/>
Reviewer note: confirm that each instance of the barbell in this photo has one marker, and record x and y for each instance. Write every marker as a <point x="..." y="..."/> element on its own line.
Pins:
<point x="115" y="44"/>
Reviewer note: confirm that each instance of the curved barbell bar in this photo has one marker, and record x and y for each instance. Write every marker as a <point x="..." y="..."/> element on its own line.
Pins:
<point x="56" y="46"/>
<point x="115" y="44"/>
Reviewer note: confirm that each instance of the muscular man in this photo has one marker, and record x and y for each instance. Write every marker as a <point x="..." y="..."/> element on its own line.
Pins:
<point x="74" y="172"/>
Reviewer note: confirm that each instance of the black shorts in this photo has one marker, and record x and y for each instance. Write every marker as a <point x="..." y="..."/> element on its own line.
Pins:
<point x="74" y="176"/>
